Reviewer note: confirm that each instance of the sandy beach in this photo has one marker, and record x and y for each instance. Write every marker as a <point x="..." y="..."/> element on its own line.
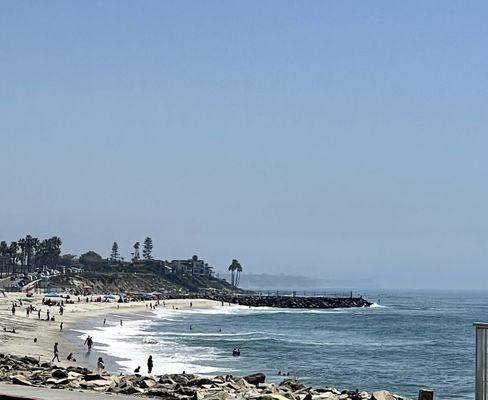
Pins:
<point x="27" y="328"/>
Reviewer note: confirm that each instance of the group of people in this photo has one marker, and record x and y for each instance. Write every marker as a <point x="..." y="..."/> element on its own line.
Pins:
<point x="149" y="366"/>
<point x="236" y="352"/>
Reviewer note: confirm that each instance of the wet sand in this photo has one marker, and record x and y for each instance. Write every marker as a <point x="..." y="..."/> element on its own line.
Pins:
<point x="47" y="332"/>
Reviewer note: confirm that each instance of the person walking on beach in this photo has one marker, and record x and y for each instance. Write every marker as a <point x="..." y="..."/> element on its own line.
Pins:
<point x="61" y="326"/>
<point x="47" y="313"/>
<point x="13" y="309"/>
<point x="89" y="342"/>
<point x="149" y="364"/>
<point x="56" y="352"/>
<point x="39" y="314"/>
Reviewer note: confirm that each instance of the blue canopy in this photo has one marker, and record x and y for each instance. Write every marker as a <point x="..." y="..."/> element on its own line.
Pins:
<point x="53" y="294"/>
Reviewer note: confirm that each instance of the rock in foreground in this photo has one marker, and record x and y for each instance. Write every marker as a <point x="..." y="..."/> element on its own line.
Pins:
<point x="24" y="371"/>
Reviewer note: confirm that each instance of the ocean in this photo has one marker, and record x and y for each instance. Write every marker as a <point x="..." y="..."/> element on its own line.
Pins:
<point x="408" y="340"/>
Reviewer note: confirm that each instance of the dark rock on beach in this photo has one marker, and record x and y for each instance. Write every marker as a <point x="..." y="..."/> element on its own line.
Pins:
<point x="255" y="379"/>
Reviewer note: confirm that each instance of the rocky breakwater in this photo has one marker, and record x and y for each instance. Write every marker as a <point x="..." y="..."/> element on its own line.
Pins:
<point x="30" y="372"/>
<point x="292" y="301"/>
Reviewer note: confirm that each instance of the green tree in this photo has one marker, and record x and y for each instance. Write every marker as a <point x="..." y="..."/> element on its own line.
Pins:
<point x="147" y="249"/>
<point x="114" y="256"/>
<point x="67" y="260"/>
<point x="90" y="257"/>
<point x="53" y="250"/>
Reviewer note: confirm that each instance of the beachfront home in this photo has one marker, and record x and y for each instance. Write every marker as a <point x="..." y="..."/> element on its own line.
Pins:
<point x="193" y="266"/>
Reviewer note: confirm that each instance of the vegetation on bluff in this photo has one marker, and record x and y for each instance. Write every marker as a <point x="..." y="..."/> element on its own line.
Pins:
<point x="33" y="256"/>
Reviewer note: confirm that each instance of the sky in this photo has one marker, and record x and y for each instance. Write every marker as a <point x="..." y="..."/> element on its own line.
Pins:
<point x="345" y="140"/>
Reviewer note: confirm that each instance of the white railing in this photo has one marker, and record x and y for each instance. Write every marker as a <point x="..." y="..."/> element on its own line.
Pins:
<point x="481" y="369"/>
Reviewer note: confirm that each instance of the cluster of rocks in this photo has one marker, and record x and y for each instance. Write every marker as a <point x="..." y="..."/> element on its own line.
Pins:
<point x="292" y="301"/>
<point x="29" y="371"/>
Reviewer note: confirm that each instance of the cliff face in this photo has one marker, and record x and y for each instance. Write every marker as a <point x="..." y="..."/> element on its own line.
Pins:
<point x="143" y="280"/>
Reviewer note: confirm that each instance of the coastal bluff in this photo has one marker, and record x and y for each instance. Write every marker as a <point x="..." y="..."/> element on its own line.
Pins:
<point x="291" y="301"/>
<point x="29" y="371"/>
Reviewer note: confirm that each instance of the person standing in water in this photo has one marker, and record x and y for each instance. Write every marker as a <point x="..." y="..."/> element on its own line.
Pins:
<point x="149" y="364"/>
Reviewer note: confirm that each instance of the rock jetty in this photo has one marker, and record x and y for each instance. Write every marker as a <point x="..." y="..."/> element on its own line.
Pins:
<point x="291" y="301"/>
<point x="30" y="372"/>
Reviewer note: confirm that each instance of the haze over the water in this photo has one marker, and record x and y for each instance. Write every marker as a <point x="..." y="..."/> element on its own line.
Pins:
<point x="346" y="140"/>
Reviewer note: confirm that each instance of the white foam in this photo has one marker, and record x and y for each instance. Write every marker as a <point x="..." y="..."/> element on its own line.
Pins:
<point x="376" y="305"/>
<point x="131" y="344"/>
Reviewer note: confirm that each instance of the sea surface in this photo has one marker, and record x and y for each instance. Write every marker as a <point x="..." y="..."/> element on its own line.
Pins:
<point x="408" y="340"/>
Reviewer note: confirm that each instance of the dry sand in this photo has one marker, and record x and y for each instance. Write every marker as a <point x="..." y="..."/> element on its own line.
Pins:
<point x="47" y="332"/>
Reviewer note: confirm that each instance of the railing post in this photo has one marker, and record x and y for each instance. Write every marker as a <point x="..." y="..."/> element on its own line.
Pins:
<point x="481" y="361"/>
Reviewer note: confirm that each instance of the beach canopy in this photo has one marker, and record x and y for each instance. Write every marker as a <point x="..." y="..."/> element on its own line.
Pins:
<point x="109" y="296"/>
<point x="53" y="294"/>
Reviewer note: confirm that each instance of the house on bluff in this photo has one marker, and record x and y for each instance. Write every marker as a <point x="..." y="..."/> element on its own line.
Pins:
<point x="193" y="266"/>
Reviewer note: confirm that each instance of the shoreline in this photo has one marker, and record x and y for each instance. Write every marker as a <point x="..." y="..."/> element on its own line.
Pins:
<point x="28" y="328"/>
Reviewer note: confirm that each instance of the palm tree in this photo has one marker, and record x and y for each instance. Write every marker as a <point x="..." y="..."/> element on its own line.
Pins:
<point x="3" y="256"/>
<point x="21" y="256"/>
<point x="12" y="252"/>
<point x="136" y="255"/>
<point x="30" y="246"/>
<point x="238" y="273"/>
<point x="234" y="267"/>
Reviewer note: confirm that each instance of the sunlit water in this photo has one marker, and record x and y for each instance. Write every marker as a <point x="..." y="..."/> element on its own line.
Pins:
<point x="412" y="340"/>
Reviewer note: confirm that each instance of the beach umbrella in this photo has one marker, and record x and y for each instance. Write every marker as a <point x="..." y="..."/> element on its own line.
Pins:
<point x="52" y="294"/>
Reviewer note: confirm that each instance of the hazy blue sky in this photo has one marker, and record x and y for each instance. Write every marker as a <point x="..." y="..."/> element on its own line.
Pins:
<point x="347" y="139"/>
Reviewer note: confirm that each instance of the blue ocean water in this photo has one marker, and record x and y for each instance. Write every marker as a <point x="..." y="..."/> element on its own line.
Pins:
<point x="412" y="340"/>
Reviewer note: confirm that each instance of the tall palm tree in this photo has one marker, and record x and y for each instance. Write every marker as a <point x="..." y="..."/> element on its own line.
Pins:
<point x="31" y="246"/>
<point x="12" y="252"/>
<point x="136" y="257"/>
<point x="238" y="273"/>
<point x="21" y="255"/>
<point x="3" y="256"/>
<point x="234" y="267"/>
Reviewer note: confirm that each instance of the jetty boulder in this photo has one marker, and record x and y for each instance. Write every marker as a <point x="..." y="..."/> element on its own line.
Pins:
<point x="255" y="379"/>
<point x="59" y="374"/>
<point x="20" y="380"/>
<point x="383" y="395"/>
<point x="293" y="384"/>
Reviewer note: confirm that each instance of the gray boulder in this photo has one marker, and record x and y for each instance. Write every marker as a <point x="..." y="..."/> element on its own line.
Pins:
<point x="382" y="395"/>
